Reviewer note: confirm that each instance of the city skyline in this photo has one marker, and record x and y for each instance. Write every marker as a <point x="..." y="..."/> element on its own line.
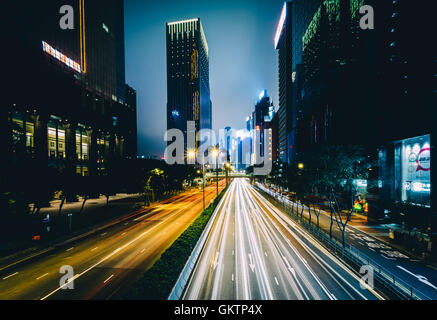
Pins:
<point x="250" y="24"/>
<point x="322" y="193"/>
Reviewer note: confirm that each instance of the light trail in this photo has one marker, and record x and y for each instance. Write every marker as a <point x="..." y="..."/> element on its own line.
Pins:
<point x="266" y="256"/>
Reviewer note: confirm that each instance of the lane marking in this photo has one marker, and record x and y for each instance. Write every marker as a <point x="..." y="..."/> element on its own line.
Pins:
<point x="280" y="216"/>
<point x="108" y="278"/>
<point x="103" y="234"/>
<point x="419" y="277"/>
<point x="387" y="257"/>
<point x="276" y="280"/>
<point x="11" y="275"/>
<point x="251" y="265"/>
<point x="42" y="276"/>
<point x="94" y="249"/>
<point x="123" y="233"/>
<point x="69" y="249"/>
<point x="232" y="277"/>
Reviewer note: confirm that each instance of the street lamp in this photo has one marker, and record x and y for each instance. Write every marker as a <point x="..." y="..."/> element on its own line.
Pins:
<point x="228" y="166"/>
<point x="300" y="166"/>
<point x="216" y="153"/>
<point x="192" y="155"/>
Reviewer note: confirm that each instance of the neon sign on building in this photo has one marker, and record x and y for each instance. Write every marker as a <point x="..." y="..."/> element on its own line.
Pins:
<point x="61" y="57"/>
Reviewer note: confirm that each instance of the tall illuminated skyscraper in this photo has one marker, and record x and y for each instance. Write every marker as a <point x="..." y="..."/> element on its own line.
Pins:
<point x="283" y="44"/>
<point x="68" y="105"/>
<point x="188" y="92"/>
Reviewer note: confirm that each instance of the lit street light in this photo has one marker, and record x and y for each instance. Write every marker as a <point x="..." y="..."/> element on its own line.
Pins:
<point x="192" y="155"/>
<point x="216" y="153"/>
<point x="227" y="167"/>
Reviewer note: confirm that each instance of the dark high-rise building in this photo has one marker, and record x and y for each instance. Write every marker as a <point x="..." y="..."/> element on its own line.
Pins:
<point x="294" y="20"/>
<point x="66" y="102"/>
<point x="302" y="13"/>
<point x="263" y="113"/>
<point x="228" y="142"/>
<point x="377" y="88"/>
<point x="283" y="44"/>
<point x="131" y="148"/>
<point x="188" y="92"/>
<point x="335" y="73"/>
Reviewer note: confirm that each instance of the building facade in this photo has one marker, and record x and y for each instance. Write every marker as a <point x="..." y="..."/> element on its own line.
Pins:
<point x="294" y="19"/>
<point x="188" y="90"/>
<point x="283" y="43"/>
<point x="360" y="87"/>
<point x="67" y="102"/>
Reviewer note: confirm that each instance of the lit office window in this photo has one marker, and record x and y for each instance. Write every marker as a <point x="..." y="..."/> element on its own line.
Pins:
<point x="22" y="133"/>
<point x="82" y="145"/>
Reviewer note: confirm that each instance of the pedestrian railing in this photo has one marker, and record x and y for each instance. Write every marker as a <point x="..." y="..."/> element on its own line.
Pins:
<point x="354" y="257"/>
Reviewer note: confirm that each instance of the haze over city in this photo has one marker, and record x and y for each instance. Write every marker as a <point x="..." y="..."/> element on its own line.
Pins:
<point x="240" y="38"/>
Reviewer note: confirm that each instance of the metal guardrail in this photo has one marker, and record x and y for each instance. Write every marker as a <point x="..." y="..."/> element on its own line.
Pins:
<point x="185" y="275"/>
<point x="348" y="253"/>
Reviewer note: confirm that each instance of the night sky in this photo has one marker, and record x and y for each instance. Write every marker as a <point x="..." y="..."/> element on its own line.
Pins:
<point x="242" y="59"/>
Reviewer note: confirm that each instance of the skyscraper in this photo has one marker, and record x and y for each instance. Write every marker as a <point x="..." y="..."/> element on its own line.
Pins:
<point x="66" y="102"/>
<point x="263" y="114"/>
<point x="283" y="44"/>
<point x="188" y="92"/>
<point x="293" y="22"/>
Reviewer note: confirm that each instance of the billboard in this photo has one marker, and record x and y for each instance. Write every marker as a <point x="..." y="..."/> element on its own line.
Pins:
<point x="413" y="170"/>
<point x="61" y="57"/>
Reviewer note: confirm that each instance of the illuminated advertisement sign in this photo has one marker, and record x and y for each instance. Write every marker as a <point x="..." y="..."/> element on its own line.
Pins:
<point x="61" y="57"/>
<point x="280" y="24"/>
<point x="414" y="169"/>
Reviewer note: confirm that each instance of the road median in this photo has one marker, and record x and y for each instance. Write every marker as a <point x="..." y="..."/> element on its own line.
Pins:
<point x="159" y="282"/>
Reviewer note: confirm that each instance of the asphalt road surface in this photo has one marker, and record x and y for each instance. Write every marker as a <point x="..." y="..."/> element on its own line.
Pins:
<point x="255" y="252"/>
<point x="108" y="261"/>
<point x="409" y="272"/>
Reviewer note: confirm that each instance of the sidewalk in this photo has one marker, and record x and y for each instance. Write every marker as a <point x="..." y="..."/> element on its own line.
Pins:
<point x="74" y="207"/>
<point x="18" y="244"/>
<point x="385" y="233"/>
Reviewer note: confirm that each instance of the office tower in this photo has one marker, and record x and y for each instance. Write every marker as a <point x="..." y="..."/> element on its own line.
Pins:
<point x="66" y="89"/>
<point x="293" y="22"/>
<point x="188" y="92"/>
<point x="283" y="44"/>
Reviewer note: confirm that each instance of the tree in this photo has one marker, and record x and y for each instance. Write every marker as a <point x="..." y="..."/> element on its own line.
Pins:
<point x="329" y="173"/>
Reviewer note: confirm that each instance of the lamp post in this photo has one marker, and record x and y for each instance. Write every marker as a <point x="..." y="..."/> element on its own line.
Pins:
<point x="227" y="165"/>
<point x="216" y="153"/>
<point x="192" y="154"/>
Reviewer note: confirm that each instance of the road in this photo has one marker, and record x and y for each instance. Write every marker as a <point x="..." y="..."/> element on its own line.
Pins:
<point x="255" y="252"/>
<point x="408" y="271"/>
<point x="109" y="260"/>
